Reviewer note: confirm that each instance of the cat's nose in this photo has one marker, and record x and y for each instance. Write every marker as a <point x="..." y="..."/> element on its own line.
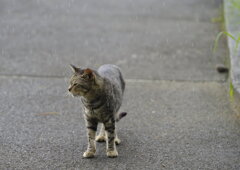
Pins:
<point x="70" y="88"/>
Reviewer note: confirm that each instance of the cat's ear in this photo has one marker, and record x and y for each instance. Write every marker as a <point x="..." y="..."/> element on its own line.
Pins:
<point x="75" y="69"/>
<point x="88" y="71"/>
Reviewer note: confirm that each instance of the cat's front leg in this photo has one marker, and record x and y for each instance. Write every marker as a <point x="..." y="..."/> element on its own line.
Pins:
<point x="110" y="132"/>
<point x="91" y="125"/>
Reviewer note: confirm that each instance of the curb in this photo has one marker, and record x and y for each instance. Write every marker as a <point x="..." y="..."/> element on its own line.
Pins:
<point x="232" y="24"/>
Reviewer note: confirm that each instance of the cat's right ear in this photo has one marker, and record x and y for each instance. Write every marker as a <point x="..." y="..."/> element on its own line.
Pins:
<point x="75" y="69"/>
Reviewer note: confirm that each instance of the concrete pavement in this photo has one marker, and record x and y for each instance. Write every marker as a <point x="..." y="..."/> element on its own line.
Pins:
<point x="173" y="38"/>
<point x="179" y="114"/>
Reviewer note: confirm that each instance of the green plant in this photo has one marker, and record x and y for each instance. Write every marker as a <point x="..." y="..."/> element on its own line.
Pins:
<point x="231" y="90"/>
<point x="235" y="5"/>
<point x="236" y="39"/>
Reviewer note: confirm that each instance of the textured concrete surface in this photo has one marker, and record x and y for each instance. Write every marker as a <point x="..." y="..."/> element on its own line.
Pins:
<point x="171" y="124"/>
<point x="42" y="37"/>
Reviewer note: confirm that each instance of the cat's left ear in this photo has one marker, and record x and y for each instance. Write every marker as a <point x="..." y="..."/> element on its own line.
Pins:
<point x="90" y="73"/>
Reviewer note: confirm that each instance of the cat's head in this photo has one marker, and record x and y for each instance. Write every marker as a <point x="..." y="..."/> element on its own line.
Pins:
<point x="81" y="82"/>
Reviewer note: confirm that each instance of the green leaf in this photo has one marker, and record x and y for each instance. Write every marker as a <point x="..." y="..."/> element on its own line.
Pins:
<point x="227" y="34"/>
<point x="231" y="90"/>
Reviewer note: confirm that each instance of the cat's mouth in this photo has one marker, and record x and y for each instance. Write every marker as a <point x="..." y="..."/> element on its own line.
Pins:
<point x="80" y="91"/>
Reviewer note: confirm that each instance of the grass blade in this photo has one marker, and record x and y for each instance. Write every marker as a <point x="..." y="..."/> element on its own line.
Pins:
<point x="219" y="36"/>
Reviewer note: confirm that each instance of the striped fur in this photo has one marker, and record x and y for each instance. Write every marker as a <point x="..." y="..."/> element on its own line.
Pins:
<point x="101" y="93"/>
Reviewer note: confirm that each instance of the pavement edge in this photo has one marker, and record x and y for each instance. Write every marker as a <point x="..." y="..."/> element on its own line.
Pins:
<point x="232" y="25"/>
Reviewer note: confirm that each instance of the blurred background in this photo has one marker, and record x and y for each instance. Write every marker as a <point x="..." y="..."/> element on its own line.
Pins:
<point x="179" y="114"/>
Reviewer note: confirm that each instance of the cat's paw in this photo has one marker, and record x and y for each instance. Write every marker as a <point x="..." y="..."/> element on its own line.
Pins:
<point x="117" y="141"/>
<point x="112" y="154"/>
<point x="88" y="154"/>
<point x="100" y="138"/>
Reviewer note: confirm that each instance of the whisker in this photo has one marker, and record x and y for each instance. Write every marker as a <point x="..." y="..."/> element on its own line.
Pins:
<point x="67" y="94"/>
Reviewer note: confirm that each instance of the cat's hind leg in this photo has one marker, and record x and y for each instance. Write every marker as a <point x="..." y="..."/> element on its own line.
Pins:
<point x="101" y="136"/>
<point x="117" y="140"/>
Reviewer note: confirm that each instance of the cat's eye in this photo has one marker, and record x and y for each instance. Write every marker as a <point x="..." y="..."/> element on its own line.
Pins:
<point x="74" y="84"/>
<point x="85" y="76"/>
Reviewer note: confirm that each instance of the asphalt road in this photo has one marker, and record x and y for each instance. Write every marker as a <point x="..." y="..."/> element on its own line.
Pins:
<point x="179" y="113"/>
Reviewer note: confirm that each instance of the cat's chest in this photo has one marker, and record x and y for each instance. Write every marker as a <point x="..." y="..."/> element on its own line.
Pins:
<point x="98" y="114"/>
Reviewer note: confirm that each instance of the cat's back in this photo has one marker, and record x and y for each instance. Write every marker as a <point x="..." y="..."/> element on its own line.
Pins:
<point x="112" y="73"/>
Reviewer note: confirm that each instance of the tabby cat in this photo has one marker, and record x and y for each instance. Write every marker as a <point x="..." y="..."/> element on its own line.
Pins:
<point x="101" y="93"/>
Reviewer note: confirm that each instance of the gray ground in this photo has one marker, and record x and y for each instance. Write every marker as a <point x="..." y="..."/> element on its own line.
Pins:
<point x="179" y="114"/>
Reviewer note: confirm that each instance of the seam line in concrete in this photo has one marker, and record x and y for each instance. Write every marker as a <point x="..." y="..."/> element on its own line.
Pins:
<point x="179" y="81"/>
<point x="25" y="76"/>
<point x="20" y="76"/>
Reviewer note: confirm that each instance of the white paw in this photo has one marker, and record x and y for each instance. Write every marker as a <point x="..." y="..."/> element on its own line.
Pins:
<point x="100" y="138"/>
<point x="112" y="154"/>
<point x="117" y="141"/>
<point x="89" y="154"/>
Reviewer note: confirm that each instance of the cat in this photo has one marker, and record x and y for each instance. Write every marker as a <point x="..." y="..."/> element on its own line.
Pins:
<point x="101" y="94"/>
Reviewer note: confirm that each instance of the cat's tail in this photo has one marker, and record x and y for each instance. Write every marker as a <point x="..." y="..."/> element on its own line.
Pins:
<point x="120" y="116"/>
